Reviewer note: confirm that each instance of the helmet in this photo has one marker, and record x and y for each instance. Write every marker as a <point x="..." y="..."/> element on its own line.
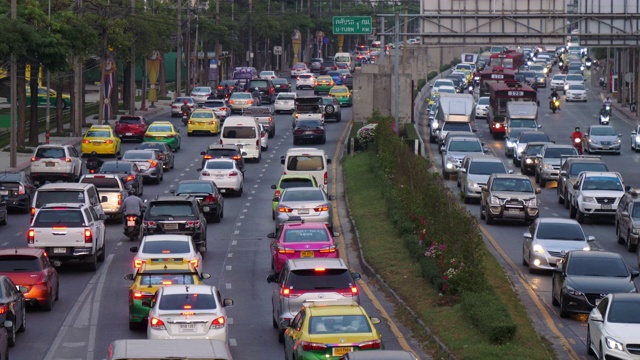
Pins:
<point x="132" y="192"/>
<point x="577" y="128"/>
<point x="607" y="98"/>
<point x="186" y="101"/>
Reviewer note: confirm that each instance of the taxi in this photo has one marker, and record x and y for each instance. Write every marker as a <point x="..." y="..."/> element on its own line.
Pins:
<point x="101" y="139"/>
<point x="342" y="94"/>
<point x="468" y="74"/>
<point x="289" y="181"/>
<point x="154" y="274"/>
<point x="323" y="84"/>
<point x="165" y="132"/>
<point x="203" y="121"/>
<point x="53" y="97"/>
<point x="328" y="330"/>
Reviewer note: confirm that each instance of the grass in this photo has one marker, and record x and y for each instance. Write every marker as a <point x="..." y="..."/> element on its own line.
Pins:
<point x="385" y="252"/>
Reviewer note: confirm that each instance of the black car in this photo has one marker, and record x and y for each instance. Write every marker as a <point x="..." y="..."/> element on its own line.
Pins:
<point x="281" y="85"/>
<point x="13" y="307"/>
<point x="348" y="81"/>
<point x="128" y="172"/>
<point x="232" y="85"/>
<point x="19" y="188"/>
<point x="266" y="88"/>
<point x="165" y="154"/>
<point x="215" y="151"/>
<point x="583" y="278"/>
<point x="309" y="130"/>
<point x="208" y="196"/>
<point x="176" y="215"/>
<point x="326" y="66"/>
<point x="530" y="157"/>
<point x="458" y="84"/>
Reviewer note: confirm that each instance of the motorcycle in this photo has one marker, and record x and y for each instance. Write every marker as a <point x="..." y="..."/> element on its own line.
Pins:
<point x="602" y="83"/>
<point x="605" y="116"/>
<point x="133" y="227"/>
<point x="554" y="104"/>
<point x="577" y="144"/>
<point x="185" y="117"/>
<point x="470" y="89"/>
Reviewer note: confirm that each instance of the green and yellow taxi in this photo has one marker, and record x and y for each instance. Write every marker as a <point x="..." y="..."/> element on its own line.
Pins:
<point x="328" y="330"/>
<point x="203" y="121"/>
<point x="323" y="84"/>
<point x="433" y="99"/>
<point x="153" y="274"/>
<point x="468" y="74"/>
<point x="101" y="139"/>
<point x="164" y="131"/>
<point x="42" y="97"/>
<point x="290" y="181"/>
<point x="342" y="94"/>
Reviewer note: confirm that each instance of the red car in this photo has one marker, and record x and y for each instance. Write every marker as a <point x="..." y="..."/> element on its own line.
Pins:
<point x="297" y="239"/>
<point x="131" y="127"/>
<point x="31" y="268"/>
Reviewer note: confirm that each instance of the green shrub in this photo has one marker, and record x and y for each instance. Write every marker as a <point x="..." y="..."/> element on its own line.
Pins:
<point x="490" y="315"/>
<point x="445" y="67"/>
<point x="421" y="84"/>
<point x="432" y="75"/>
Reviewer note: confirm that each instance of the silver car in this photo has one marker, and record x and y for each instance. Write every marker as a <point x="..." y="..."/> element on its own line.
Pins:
<point x="549" y="239"/>
<point x="455" y="150"/>
<point x="510" y="140"/>
<point x="148" y="163"/>
<point x="509" y="196"/>
<point x="165" y="154"/>
<point x="548" y="164"/>
<point x="201" y="93"/>
<point x="241" y="100"/>
<point x="311" y="204"/>
<point x="602" y="138"/>
<point x="179" y="101"/>
<point x="474" y="173"/>
<point x="220" y="107"/>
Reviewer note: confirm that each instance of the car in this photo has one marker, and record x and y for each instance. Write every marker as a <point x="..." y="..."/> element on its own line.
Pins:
<point x="459" y="84"/>
<point x="167" y="247"/>
<point x="164" y="131"/>
<point x="336" y="76"/>
<point x="510" y="137"/>
<point x="523" y="139"/>
<point x="32" y="269"/>
<point x="12" y="308"/>
<point x="264" y="116"/>
<point x="342" y="94"/>
<point x="595" y="193"/>
<point x="327" y="331"/>
<point x="331" y="108"/>
<point x="570" y="168"/>
<point x="289" y="181"/>
<point x="576" y="92"/>
<point x="509" y="196"/>
<point x="225" y="173"/>
<point x="231" y="85"/>
<point x="52" y="162"/>
<point x="297" y="239"/>
<point x="267" y="74"/>
<point x="323" y="84"/>
<point x="299" y="69"/>
<point x="42" y="97"/>
<point x="548" y="164"/>
<point x="541" y="79"/>
<point x="153" y="274"/>
<point x="530" y="156"/>
<point x="239" y="101"/>
<point x="613" y="327"/>
<point x="131" y="127"/>
<point x="264" y="137"/>
<point x="216" y="151"/>
<point x="188" y="312"/>
<point x="266" y="88"/>
<point x="601" y="138"/>
<point x="309" y="130"/>
<point x="303" y="280"/>
<point x="557" y="82"/>
<point x="327" y="65"/>
<point x="128" y="171"/>
<point x="305" y="81"/>
<point x="628" y="220"/>
<point x="201" y="93"/>
<point x="281" y="85"/>
<point x="310" y="204"/>
<point x="208" y="195"/>
<point x="284" y="102"/>
<point x="347" y="80"/>
<point x="220" y="107"/>
<point x="584" y="278"/>
<point x="148" y="162"/>
<point x="379" y="355"/>
<point x="315" y="64"/>
<point x="548" y="239"/>
<point x="176" y="105"/>
<point x="474" y="173"/>
<point x="345" y="73"/>
<point x="112" y="193"/>
<point x="19" y="188"/>
<point x="530" y="77"/>
<point x="447" y="89"/>
<point x="101" y="139"/>
<point x="165" y="154"/>
<point x="203" y="121"/>
<point x="455" y="150"/>
<point x="572" y="79"/>
<point x="442" y="82"/>
<point x="176" y="215"/>
<point x="482" y="107"/>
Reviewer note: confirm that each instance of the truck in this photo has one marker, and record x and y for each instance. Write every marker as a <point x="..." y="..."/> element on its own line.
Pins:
<point x="452" y="108"/>
<point x="264" y="115"/>
<point x="308" y="108"/>
<point x="112" y="193"/>
<point x="522" y="115"/>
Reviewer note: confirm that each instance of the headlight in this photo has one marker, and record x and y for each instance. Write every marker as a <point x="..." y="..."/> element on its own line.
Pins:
<point x="619" y="141"/>
<point x="511" y="144"/>
<point x="471" y="184"/>
<point x="586" y="248"/>
<point x="528" y="161"/>
<point x="589" y="199"/>
<point x="614" y="344"/>
<point x="573" y="291"/>
<point x="547" y="166"/>
<point x="635" y="231"/>
<point x="538" y="249"/>
<point x="532" y="202"/>
<point x="434" y="125"/>
<point x="494" y="201"/>
<point x="545" y="70"/>
<point x="566" y="86"/>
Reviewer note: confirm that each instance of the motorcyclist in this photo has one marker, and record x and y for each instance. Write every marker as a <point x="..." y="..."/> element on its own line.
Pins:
<point x="606" y="102"/>
<point x="604" y="111"/>
<point x="133" y="205"/>
<point x="225" y="91"/>
<point x="554" y="95"/>
<point x="256" y="94"/>
<point x="577" y="134"/>
<point x="94" y="162"/>
<point x="185" y="108"/>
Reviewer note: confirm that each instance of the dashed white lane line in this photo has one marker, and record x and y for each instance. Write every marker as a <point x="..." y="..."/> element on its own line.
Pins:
<point x="230" y="255"/>
<point x="260" y="175"/>
<point x="234" y="242"/>
<point x="236" y="232"/>
<point x="238" y="224"/>
<point x="255" y="186"/>
<point x="245" y="210"/>
<point x="247" y="204"/>
<point x="253" y="191"/>
<point x="250" y="198"/>
<point x="232" y="342"/>
<point x="227" y="285"/>
<point x="74" y="344"/>
<point x="19" y="233"/>
<point x="228" y="267"/>
<point x="7" y="243"/>
<point x="271" y="155"/>
<point x="241" y="216"/>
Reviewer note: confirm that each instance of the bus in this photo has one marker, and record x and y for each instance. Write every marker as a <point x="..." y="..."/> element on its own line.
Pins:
<point x="493" y="75"/>
<point x="500" y="94"/>
<point x="509" y="59"/>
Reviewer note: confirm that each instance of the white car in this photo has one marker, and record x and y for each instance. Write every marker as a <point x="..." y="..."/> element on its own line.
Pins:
<point x="442" y="82"/>
<point x="576" y="92"/>
<point x="557" y="82"/>
<point x="225" y="174"/>
<point x="482" y="107"/>
<point x="447" y="89"/>
<point x="299" y="69"/>
<point x="268" y="74"/>
<point x="285" y="101"/>
<point x="305" y="81"/>
<point x="171" y="246"/>
<point x="635" y="139"/>
<point x="264" y="137"/>
<point x="56" y="162"/>
<point x="613" y="328"/>
<point x="201" y="93"/>
<point x="573" y="79"/>
<point x="188" y="312"/>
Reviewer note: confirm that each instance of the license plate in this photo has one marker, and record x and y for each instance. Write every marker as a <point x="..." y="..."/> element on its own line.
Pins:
<point x="171" y="226"/>
<point x="128" y="134"/>
<point x="223" y="190"/>
<point x="187" y="328"/>
<point x="131" y="223"/>
<point x="605" y="148"/>
<point x="306" y="254"/>
<point x="308" y="132"/>
<point x="303" y="211"/>
<point x="59" y="250"/>
<point x="339" y="351"/>
<point x="4" y="192"/>
<point x="219" y="176"/>
<point x="158" y="137"/>
<point x="606" y="207"/>
<point x="50" y="164"/>
<point x="240" y="146"/>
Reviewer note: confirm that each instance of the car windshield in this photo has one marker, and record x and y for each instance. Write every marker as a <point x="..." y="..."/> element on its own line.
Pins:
<point x="259" y="83"/>
<point x="559" y="77"/>
<point x="241" y="95"/>
<point x="443" y="83"/>
<point x="5" y="176"/>
<point x="487" y="168"/>
<point x="513" y="134"/>
<point x="535" y="136"/>
<point x="202" y="90"/>
<point x="636" y="212"/>
<point x="98" y="133"/>
<point x="560" y="231"/>
<point x="182" y="99"/>
<point x="574" y="78"/>
<point x="187" y="302"/>
<point x="195" y="187"/>
<point x="602" y="183"/>
<point x="555" y="153"/>
<point x="342" y="324"/>
<point x="138" y="155"/>
<point x="534" y="150"/>
<point x="102" y="182"/>
<point x="59" y="218"/>
<point x="603" y="131"/>
<point x="50" y="153"/>
<point x="513" y="185"/>
<point x="456" y="126"/>
<point x="153" y="146"/>
<point x="577" y="168"/>
<point x="597" y="266"/>
<point x="59" y="196"/>
<point x="465" y="146"/>
<point x="215" y="104"/>
<point x="576" y="87"/>
<point x="239" y="132"/>
<point x="202" y="115"/>
<point x="285" y="96"/>
<point x="166" y="279"/>
<point x="129" y="120"/>
<point x="305" y="235"/>
<point x="219" y="153"/>
<point x="165" y="247"/>
<point x="309" y="124"/>
<point x="483" y="101"/>
<point x="170" y="209"/>
<point x="310" y="195"/>
<point x="522" y="123"/>
<point x="294" y="183"/>
<point x="624" y="311"/>
<point x="218" y="165"/>
<point x="19" y="263"/>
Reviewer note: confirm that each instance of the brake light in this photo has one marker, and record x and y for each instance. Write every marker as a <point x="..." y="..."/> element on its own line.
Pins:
<point x="212" y="122"/>
<point x="170" y="136"/>
<point x="190" y="122"/>
<point x="88" y="236"/>
<point x="330" y="249"/>
<point x="148" y="135"/>
<point x="258" y="144"/>
<point x="262" y="134"/>
<point x="286" y="251"/>
<point x="192" y="223"/>
<point x="315" y="83"/>
<point x="297" y="77"/>
<point x="36" y="158"/>
<point x="194" y="262"/>
<point x="218" y="323"/>
<point x="85" y="141"/>
<point x="210" y="199"/>
<point x="119" y="199"/>
<point x="153" y="163"/>
<point x="149" y="224"/>
<point x="311" y="346"/>
<point x="289" y="293"/>
<point x="233" y="173"/>
<point x="137" y="263"/>
<point x="326" y="178"/>
<point x="59" y="228"/>
<point x="3" y="309"/>
<point x="231" y="102"/>
<point x="236" y="157"/>
<point x="66" y="159"/>
<point x="156" y="324"/>
<point x="141" y="294"/>
<point x="222" y="109"/>
<point x="321" y="208"/>
<point x="319" y="269"/>
<point x="318" y="131"/>
<point x="129" y="178"/>
<point x="373" y="344"/>
<point x="109" y="142"/>
<point x="207" y="157"/>
<point x="284" y="209"/>
<point x="43" y="279"/>
<point x="249" y="102"/>
<point x="31" y="235"/>
<point x="205" y="173"/>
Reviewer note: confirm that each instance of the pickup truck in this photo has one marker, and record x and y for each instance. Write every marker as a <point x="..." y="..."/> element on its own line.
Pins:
<point x="69" y="232"/>
<point x="595" y="193"/>
<point x="264" y="115"/>
<point x="112" y="193"/>
<point x="308" y="108"/>
<point x="570" y="167"/>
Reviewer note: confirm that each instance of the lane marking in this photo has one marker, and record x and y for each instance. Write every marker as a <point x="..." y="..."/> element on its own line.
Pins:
<point x="74" y="344"/>
<point x="234" y="242"/>
<point x="236" y="232"/>
<point x="227" y="285"/>
<point x="230" y="254"/>
<point x="238" y="224"/>
<point x="228" y="267"/>
<point x="7" y="243"/>
<point x="232" y="342"/>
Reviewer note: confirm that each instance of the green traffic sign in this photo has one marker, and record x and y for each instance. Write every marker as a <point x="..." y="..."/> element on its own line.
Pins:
<point x="352" y="25"/>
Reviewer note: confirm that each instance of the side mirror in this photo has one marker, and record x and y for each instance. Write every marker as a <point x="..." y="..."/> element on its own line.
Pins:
<point x="596" y="316"/>
<point x="563" y="173"/>
<point x="271" y="235"/>
<point x="128" y="186"/>
<point x="374" y="320"/>
<point x="331" y="198"/>
<point x="227" y="302"/>
<point x="133" y="249"/>
<point x="591" y="238"/>
<point x="104" y="199"/>
<point x="272" y="278"/>
<point x="202" y="153"/>
<point x="527" y="235"/>
<point x="462" y="170"/>
<point x="128" y="277"/>
<point x="356" y="276"/>
<point x="539" y="126"/>
<point x="442" y="149"/>
<point x="22" y="289"/>
<point x="619" y="135"/>
<point x="576" y="186"/>
<point x="509" y="171"/>
<point x="336" y="234"/>
<point x="205" y="276"/>
<point x="285" y="323"/>
<point x="634" y="274"/>
<point x="7" y="324"/>
<point x="633" y="133"/>
<point x="485" y="149"/>
<point x="273" y="187"/>
<point x="119" y="158"/>
<point x="483" y="188"/>
<point x="538" y="191"/>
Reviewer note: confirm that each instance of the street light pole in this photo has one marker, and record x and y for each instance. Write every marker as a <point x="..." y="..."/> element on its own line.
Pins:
<point x="48" y="110"/>
<point x="132" y="75"/>
<point x="14" y="100"/>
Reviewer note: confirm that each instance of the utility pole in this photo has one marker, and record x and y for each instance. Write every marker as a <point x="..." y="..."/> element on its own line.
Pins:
<point x="132" y="78"/>
<point x="217" y="43"/>
<point x="77" y="89"/>
<point x="196" y="75"/>
<point x="396" y="73"/>
<point x="250" y="47"/>
<point x="187" y="50"/>
<point x="14" y="97"/>
<point x="48" y="110"/>
<point x="178" y="51"/>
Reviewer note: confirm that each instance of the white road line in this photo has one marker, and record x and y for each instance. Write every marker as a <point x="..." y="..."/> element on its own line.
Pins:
<point x="554" y="214"/>
<point x="258" y="180"/>
<point x="247" y="204"/>
<point x="176" y="180"/>
<point x="230" y="321"/>
<point x="166" y="191"/>
<point x="241" y="216"/>
<point x="236" y="232"/>
<point x="260" y="175"/>
<point x="227" y="285"/>
<point x="271" y="155"/>
<point x="250" y="198"/>
<point x="232" y="342"/>
<point x="255" y="185"/>
<point x="253" y="191"/>
<point x="228" y="267"/>
<point x="245" y="210"/>
<point x="119" y="243"/>
<point x="74" y="344"/>
<point x="238" y="224"/>
<point x="230" y="254"/>
<point x="264" y="169"/>
<point x="6" y="242"/>
<point x="234" y="242"/>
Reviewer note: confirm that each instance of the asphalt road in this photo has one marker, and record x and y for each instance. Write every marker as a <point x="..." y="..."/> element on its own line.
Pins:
<point x="509" y="236"/>
<point x="93" y="307"/>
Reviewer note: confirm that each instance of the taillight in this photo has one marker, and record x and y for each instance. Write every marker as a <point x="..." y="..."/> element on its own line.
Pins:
<point x="137" y="263"/>
<point x="319" y="131"/>
<point x="3" y="309"/>
<point x="288" y="293"/>
<point x="373" y="344"/>
<point x="321" y="208"/>
<point x="88" y="236"/>
<point x="284" y="209"/>
<point x="206" y="157"/>
<point x="131" y="218"/>
<point x="262" y="134"/>
<point x="129" y="178"/>
<point x="141" y="294"/>
<point x="231" y="102"/>
<point x="192" y="223"/>
<point x="156" y="324"/>
<point x="153" y="163"/>
<point x="210" y="199"/>
<point x="236" y="157"/>
<point x="31" y="236"/>
<point x="36" y="158"/>
<point x="66" y="159"/>
<point x="326" y="178"/>
<point x="44" y="278"/>
<point x="286" y="251"/>
<point x="258" y="144"/>
<point x="311" y="346"/>
<point x="218" y="323"/>
<point x="205" y="173"/>
<point x="119" y="199"/>
<point x="85" y="141"/>
<point x="315" y="83"/>
<point x="190" y="122"/>
<point x="330" y="249"/>
<point x="249" y="102"/>
<point x="233" y="173"/>
<point x="194" y="262"/>
<point x="222" y="109"/>
<point x="109" y="142"/>
<point x="298" y="131"/>
<point x="148" y="135"/>
<point x="170" y="136"/>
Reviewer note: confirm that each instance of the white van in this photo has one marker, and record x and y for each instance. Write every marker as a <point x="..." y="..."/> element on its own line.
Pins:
<point x="74" y="193"/>
<point x="307" y="161"/>
<point x="344" y="57"/>
<point x="147" y="349"/>
<point x="243" y="131"/>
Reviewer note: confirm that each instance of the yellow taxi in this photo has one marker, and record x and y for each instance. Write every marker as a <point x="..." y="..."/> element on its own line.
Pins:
<point x="468" y="73"/>
<point x="342" y="94"/>
<point x="203" y="121"/>
<point x="163" y="131"/>
<point x="433" y="99"/>
<point x="323" y="84"/>
<point x="101" y="139"/>
<point x="154" y="274"/>
<point x="328" y="330"/>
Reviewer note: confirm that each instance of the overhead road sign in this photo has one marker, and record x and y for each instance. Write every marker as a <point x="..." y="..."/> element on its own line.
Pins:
<point x="352" y="25"/>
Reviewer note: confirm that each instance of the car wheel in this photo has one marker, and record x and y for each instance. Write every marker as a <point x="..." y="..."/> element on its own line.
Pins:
<point x="48" y="305"/>
<point x="554" y="301"/>
<point x="589" y="349"/>
<point x="58" y="289"/>
<point x="11" y="335"/>
<point x="563" y="313"/>
<point x="580" y="216"/>
<point x="481" y="211"/>
<point x="222" y="213"/>
<point x="92" y="263"/>
<point x="543" y="182"/>
<point x="135" y="326"/>
<point x="488" y="217"/>
<point x="216" y="218"/>
<point x="572" y="211"/>
<point x="566" y="201"/>
<point x="102" y="254"/>
<point x="23" y="315"/>
<point x="619" y="234"/>
<point x="4" y="220"/>
<point x="281" y="338"/>
<point x="524" y="261"/>
<point x="537" y="178"/>
<point x="630" y="247"/>
<point x="531" y="269"/>
<point x="560" y="198"/>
